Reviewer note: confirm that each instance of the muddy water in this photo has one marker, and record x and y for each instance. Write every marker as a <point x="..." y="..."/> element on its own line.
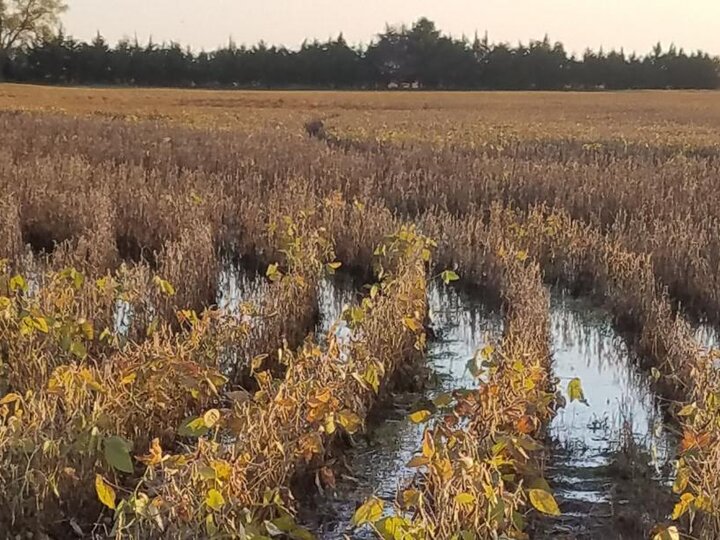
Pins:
<point x="611" y="456"/>
<point x="376" y="464"/>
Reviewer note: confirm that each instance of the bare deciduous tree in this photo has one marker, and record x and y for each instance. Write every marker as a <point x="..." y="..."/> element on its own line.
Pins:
<point x="22" y="21"/>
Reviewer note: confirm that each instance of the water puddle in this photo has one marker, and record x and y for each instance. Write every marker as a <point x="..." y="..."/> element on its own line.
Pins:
<point x="708" y="337"/>
<point x="611" y="455"/>
<point x="377" y="461"/>
<point x="237" y="286"/>
<point x="334" y="295"/>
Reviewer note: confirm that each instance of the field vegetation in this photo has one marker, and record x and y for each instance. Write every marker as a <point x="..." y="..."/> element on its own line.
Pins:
<point x="184" y="418"/>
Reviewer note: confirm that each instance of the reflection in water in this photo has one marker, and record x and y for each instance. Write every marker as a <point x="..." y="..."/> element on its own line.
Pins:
<point x="378" y="463"/>
<point x="237" y="286"/>
<point x="707" y="337"/>
<point x="334" y="295"/>
<point x="122" y="317"/>
<point x="620" y="406"/>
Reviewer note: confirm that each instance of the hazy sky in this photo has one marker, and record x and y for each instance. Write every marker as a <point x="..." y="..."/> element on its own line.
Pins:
<point x="205" y="24"/>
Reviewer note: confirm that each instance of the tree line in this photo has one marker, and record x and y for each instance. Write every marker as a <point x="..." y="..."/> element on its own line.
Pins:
<point x="418" y="56"/>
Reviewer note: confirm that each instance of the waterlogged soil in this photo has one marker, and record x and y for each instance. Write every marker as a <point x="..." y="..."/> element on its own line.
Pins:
<point x="375" y="464"/>
<point x="610" y="463"/>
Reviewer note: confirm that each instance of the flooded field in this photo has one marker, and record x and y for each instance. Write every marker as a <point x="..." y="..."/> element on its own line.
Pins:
<point x="376" y="464"/>
<point x="611" y="454"/>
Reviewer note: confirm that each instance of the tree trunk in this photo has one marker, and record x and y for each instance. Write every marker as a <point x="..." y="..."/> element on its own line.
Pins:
<point x="4" y="66"/>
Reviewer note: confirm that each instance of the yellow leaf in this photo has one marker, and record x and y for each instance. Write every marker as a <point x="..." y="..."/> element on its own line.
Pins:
<point x="329" y="424"/>
<point x="683" y="505"/>
<point x="128" y="379"/>
<point x="155" y="455"/>
<point x="681" y="479"/>
<point x="222" y="469"/>
<point x="669" y="533"/>
<point x="257" y="362"/>
<point x="273" y="273"/>
<point x="18" y="283"/>
<point x="165" y="286"/>
<point x="374" y="290"/>
<point x="41" y="324"/>
<point x="372" y="377"/>
<point x="87" y="329"/>
<point x="575" y="391"/>
<point x="105" y="493"/>
<point x="411" y="497"/>
<point x="688" y="409"/>
<point x="214" y="499"/>
<point x="419" y="417"/>
<point x="428" y="445"/>
<point x="418" y="461"/>
<point x="465" y="498"/>
<point x="443" y="468"/>
<point x="105" y="335"/>
<point x="369" y="512"/>
<point x="26" y="326"/>
<point x="10" y="398"/>
<point x="449" y="276"/>
<point x="211" y="417"/>
<point x="544" y="502"/>
<point x="350" y="421"/>
<point x="412" y="324"/>
<point x="487" y="351"/>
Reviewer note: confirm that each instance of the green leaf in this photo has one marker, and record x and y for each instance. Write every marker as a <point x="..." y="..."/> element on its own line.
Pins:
<point x="193" y="427"/>
<point x="78" y="349"/>
<point x="210" y="526"/>
<point x="369" y="512"/>
<point x="449" y="276"/>
<point x="117" y="453"/>
<point x="544" y="502"/>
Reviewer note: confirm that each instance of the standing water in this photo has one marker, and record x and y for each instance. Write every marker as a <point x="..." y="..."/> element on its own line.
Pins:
<point x="378" y="462"/>
<point x="610" y="453"/>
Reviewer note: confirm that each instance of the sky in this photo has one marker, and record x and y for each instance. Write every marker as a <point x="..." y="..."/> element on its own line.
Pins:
<point x="635" y="25"/>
